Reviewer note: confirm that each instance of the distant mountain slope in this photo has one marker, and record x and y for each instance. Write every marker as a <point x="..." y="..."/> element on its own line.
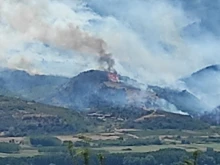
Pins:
<point x="98" y="89"/>
<point x="131" y="117"/>
<point x="183" y="100"/>
<point x="33" y="87"/>
<point x="95" y="88"/>
<point x="206" y="84"/>
<point x="212" y="117"/>
<point x="3" y="88"/>
<point x="87" y="90"/>
<point x="19" y="117"/>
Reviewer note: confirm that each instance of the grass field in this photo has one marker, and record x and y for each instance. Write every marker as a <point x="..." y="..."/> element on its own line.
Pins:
<point x="22" y="153"/>
<point x="176" y="132"/>
<point x="120" y="149"/>
<point x="149" y="148"/>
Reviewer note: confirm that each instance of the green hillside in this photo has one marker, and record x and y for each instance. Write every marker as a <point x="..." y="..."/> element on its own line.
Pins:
<point x="19" y="117"/>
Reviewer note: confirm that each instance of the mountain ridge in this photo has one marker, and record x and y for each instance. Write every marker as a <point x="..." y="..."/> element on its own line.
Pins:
<point x="205" y="83"/>
<point x="95" y="88"/>
<point x="21" y="84"/>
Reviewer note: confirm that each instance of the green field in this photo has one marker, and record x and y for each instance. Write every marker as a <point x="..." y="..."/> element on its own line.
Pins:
<point x="123" y="141"/>
<point x="22" y="153"/>
<point x="159" y="132"/>
<point x="149" y="148"/>
<point x="120" y="149"/>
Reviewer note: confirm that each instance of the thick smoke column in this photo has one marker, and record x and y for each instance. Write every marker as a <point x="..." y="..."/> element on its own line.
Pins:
<point x="28" y="18"/>
<point x="107" y="59"/>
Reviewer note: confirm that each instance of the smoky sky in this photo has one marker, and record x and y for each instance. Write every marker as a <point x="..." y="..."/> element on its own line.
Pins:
<point x="155" y="42"/>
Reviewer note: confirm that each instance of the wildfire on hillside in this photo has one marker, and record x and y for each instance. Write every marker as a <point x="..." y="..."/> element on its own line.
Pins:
<point x="113" y="77"/>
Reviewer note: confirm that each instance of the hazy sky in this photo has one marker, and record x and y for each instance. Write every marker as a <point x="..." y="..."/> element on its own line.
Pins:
<point x="156" y="42"/>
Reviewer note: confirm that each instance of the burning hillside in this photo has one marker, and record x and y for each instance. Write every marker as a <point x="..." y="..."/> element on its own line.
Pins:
<point x="88" y="90"/>
<point x="98" y="89"/>
<point x="113" y="77"/>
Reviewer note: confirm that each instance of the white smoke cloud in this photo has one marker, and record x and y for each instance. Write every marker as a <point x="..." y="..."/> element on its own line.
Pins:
<point x="139" y="35"/>
<point x="146" y="37"/>
<point x="32" y="21"/>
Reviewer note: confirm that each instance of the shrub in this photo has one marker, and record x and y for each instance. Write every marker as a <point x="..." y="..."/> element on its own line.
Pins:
<point x="45" y="141"/>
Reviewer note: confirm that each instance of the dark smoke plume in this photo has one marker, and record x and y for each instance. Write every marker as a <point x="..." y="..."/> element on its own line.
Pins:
<point x="28" y="20"/>
<point x="107" y="59"/>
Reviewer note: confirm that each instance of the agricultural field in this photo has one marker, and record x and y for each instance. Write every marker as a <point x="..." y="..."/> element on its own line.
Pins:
<point x="119" y="141"/>
<point x="22" y="153"/>
<point x="150" y="148"/>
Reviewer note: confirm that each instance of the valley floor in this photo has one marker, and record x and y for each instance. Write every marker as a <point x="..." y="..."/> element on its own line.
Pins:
<point x="124" y="141"/>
